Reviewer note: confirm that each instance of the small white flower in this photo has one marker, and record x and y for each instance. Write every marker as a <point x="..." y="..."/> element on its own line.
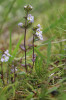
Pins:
<point x="25" y="6"/>
<point x="40" y="37"/>
<point x="3" y="55"/>
<point x="20" y="24"/>
<point x="30" y="18"/>
<point x="38" y="32"/>
<point x="30" y="6"/>
<point x="4" y="58"/>
<point x="39" y="26"/>
<point x="7" y="52"/>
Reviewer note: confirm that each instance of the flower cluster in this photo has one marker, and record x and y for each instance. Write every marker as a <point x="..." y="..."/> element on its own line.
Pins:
<point x="30" y="18"/>
<point x="39" y="32"/>
<point x="5" y="56"/>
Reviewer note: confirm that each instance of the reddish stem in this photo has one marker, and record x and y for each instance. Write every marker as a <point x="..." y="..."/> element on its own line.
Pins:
<point x="25" y="40"/>
<point x="2" y="76"/>
<point x="33" y="49"/>
<point x="14" y="73"/>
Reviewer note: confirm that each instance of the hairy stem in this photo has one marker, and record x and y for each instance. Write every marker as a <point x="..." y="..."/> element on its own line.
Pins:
<point x="2" y="76"/>
<point x="33" y="49"/>
<point x="7" y="73"/>
<point x="14" y="73"/>
<point x="25" y="40"/>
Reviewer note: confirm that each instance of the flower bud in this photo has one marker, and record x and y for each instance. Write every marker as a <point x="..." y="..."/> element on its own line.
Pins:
<point x="28" y="7"/>
<point x="20" y="24"/>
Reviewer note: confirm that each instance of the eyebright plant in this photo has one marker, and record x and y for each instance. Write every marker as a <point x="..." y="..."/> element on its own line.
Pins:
<point x="37" y="33"/>
<point x="5" y="56"/>
<point x="12" y="65"/>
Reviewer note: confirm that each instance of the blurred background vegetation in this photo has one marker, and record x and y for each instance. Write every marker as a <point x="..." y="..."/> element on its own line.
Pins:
<point x="49" y="13"/>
